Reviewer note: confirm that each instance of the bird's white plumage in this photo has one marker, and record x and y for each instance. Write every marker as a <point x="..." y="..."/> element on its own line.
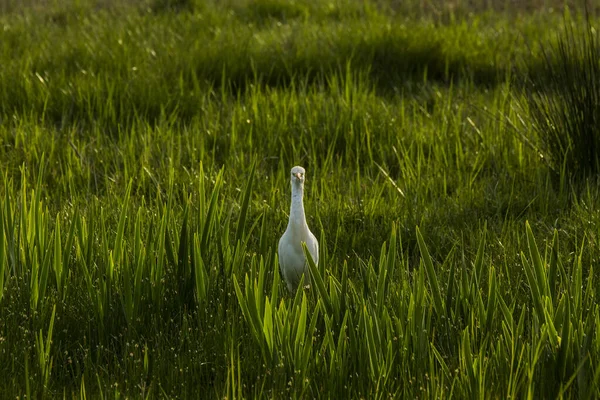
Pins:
<point x="291" y="257"/>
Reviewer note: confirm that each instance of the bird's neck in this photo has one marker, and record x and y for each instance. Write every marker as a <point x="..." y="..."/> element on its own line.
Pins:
<point x="297" y="216"/>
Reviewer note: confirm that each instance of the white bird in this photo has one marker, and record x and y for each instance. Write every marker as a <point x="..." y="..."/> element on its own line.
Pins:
<point x="291" y="257"/>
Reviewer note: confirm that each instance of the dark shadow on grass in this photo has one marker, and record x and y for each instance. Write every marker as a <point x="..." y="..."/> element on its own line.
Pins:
<point x="392" y="64"/>
<point x="395" y="60"/>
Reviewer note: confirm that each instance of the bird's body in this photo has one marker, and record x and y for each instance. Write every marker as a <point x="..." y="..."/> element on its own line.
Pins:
<point x="291" y="257"/>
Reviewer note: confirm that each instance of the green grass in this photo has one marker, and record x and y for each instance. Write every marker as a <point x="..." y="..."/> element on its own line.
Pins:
<point x="563" y="101"/>
<point x="145" y="151"/>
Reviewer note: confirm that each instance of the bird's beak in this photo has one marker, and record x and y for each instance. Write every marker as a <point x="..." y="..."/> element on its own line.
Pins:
<point x="297" y="176"/>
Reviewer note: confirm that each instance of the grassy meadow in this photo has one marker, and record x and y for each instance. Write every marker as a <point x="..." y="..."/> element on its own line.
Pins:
<point x="145" y="150"/>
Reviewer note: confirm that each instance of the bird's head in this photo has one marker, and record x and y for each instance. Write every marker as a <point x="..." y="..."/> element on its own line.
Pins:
<point x="298" y="175"/>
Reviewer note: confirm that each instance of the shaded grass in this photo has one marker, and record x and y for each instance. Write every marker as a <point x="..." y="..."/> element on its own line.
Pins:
<point x="563" y="98"/>
<point x="127" y="212"/>
<point x="148" y="65"/>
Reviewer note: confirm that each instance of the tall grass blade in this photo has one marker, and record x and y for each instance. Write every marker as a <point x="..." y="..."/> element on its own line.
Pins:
<point x="386" y="269"/>
<point x="200" y="274"/>
<point x="431" y="275"/>
<point x="534" y="287"/>
<point x="119" y="238"/>
<point x="553" y="266"/>
<point x="491" y="305"/>
<point x="43" y="348"/>
<point x="184" y="272"/>
<point x="317" y="279"/>
<point x="3" y="263"/>
<point x="210" y="218"/>
<point x="58" y="260"/>
<point x="538" y="265"/>
<point x="565" y="340"/>
<point x="478" y="267"/>
<point x="41" y="281"/>
<point x="241" y="225"/>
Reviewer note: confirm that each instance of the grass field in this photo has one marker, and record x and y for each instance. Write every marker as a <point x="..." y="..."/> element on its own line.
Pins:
<point x="145" y="150"/>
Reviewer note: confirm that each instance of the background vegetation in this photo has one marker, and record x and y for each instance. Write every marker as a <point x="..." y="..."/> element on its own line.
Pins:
<point x="145" y="151"/>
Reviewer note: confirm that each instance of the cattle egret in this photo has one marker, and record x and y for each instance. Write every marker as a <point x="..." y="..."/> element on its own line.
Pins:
<point x="291" y="257"/>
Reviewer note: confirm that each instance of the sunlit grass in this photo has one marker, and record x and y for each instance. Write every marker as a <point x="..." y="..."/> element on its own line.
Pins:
<point x="145" y="155"/>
